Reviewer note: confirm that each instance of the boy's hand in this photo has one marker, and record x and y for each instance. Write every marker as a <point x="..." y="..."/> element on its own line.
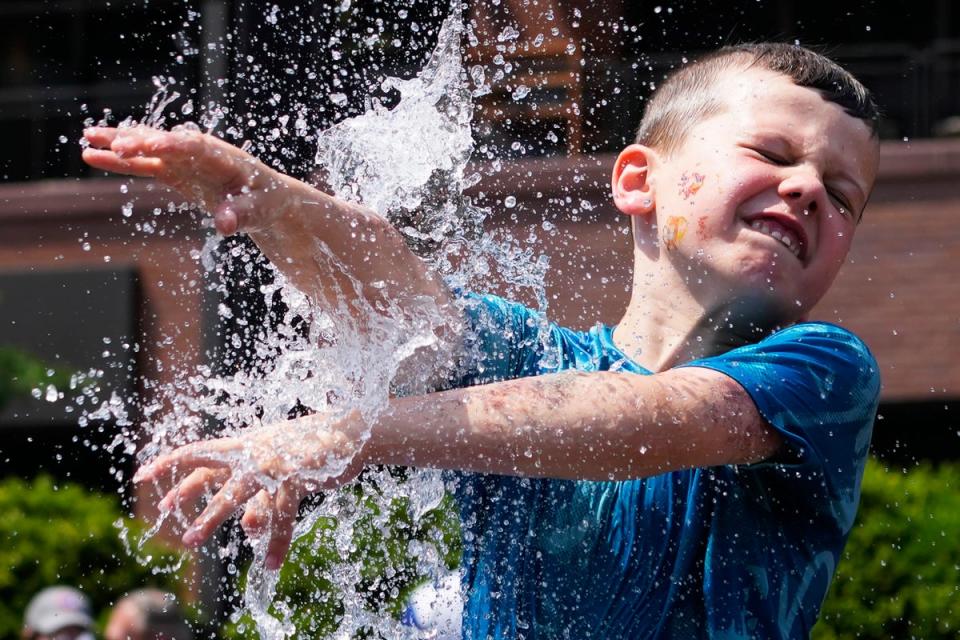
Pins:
<point x="241" y="193"/>
<point x="265" y="472"/>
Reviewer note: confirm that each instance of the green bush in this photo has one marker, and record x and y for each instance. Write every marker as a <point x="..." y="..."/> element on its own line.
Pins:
<point x="389" y="572"/>
<point x="900" y="572"/>
<point x="21" y="373"/>
<point x="63" y="534"/>
<point x="899" y="576"/>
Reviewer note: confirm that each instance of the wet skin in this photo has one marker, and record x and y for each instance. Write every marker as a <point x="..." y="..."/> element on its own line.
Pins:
<point x="779" y="155"/>
<point x="784" y="153"/>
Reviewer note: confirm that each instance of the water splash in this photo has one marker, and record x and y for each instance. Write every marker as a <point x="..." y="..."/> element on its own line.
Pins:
<point x="409" y="164"/>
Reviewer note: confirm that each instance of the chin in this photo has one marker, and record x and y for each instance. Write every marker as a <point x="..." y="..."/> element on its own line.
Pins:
<point x="759" y="310"/>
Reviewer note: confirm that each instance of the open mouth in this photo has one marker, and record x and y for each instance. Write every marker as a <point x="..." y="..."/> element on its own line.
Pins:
<point x="783" y="229"/>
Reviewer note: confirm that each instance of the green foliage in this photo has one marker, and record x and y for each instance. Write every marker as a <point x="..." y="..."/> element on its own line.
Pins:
<point x="63" y="534"/>
<point x="20" y="373"/>
<point x="900" y="575"/>
<point x="381" y="547"/>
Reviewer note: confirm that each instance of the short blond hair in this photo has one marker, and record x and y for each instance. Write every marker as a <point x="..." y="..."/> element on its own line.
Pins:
<point x="689" y="95"/>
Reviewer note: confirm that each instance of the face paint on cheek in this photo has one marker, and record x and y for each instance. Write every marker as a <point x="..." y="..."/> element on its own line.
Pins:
<point x="702" y="227"/>
<point x="674" y="231"/>
<point x="690" y="183"/>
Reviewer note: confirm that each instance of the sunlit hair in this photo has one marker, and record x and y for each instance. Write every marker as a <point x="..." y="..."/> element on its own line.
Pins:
<point x="690" y="93"/>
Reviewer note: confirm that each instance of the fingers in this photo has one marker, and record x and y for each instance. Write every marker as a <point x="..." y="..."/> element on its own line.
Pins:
<point x="235" y="493"/>
<point x="106" y="160"/>
<point x="100" y="137"/>
<point x="184" y="460"/>
<point x="275" y="515"/>
<point x="285" y="518"/>
<point x="199" y="482"/>
<point x="257" y="514"/>
<point x="185" y="154"/>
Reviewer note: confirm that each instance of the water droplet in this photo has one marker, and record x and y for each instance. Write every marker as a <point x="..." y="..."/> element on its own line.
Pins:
<point x="508" y="33"/>
<point x="510" y="202"/>
<point x="339" y="99"/>
<point x="521" y="92"/>
<point x="272" y="16"/>
<point x="62" y="139"/>
<point x="657" y="9"/>
<point x="52" y="394"/>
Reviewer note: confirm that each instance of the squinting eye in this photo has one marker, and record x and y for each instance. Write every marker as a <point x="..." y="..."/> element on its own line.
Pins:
<point x="772" y="157"/>
<point x="842" y="204"/>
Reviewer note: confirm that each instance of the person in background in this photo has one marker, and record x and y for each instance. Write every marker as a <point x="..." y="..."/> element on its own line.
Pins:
<point x="147" y="614"/>
<point x="58" y="613"/>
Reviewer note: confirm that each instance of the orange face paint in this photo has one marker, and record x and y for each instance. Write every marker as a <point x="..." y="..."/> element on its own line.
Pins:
<point x="690" y="184"/>
<point x="674" y="231"/>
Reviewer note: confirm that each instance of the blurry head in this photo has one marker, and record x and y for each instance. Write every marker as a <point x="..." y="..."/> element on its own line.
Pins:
<point x="147" y="614"/>
<point x="694" y="92"/>
<point x="61" y="613"/>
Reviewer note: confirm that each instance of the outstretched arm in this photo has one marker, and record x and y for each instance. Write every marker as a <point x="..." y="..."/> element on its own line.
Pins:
<point x="594" y="426"/>
<point x="581" y="426"/>
<point x="323" y="245"/>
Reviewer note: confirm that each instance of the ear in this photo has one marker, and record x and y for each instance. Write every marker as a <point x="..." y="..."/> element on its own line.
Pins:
<point x="633" y="191"/>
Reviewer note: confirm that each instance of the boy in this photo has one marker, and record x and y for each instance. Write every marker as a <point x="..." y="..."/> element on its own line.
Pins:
<point x="710" y="493"/>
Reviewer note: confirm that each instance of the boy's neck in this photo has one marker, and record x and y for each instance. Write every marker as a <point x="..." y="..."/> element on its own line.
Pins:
<point x="666" y="325"/>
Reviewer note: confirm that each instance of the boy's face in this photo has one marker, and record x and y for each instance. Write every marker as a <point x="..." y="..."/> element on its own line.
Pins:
<point x="762" y="200"/>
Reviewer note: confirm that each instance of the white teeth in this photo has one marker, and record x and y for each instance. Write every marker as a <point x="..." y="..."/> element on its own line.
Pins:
<point x="786" y="238"/>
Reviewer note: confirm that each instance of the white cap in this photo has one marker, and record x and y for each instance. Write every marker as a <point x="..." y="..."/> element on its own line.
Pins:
<point x="56" y="608"/>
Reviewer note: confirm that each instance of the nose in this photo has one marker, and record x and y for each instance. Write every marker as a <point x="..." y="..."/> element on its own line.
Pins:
<point x="803" y="189"/>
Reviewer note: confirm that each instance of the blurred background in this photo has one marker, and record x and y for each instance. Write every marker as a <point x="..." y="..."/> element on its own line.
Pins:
<point x="100" y="275"/>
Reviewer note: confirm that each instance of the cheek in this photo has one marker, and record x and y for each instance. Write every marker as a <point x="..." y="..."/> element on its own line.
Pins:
<point x="702" y="228"/>
<point x="690" y="184"/>
<point x="836" y="239"/>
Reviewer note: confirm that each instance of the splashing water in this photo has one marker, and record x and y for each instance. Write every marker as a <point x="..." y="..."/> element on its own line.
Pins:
<point x="407" y="163"/>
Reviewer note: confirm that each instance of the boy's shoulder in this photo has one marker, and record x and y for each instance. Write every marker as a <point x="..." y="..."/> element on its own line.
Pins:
<point x="519" y="341"/>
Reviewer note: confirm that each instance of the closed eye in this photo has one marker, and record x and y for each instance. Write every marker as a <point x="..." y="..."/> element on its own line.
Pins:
<point x="842" y="202"/>
<point x="770" y="156"/>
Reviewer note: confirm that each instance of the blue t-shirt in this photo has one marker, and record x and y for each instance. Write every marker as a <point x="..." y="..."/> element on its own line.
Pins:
<point x="738" y="551"/>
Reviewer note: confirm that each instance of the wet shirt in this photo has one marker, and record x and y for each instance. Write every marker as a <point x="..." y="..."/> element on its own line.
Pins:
<point x="739" y="551"/>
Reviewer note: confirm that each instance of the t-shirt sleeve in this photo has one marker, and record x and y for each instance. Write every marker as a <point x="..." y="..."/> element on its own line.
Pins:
<point x="504" y="340"/>
<point x="818" y="385"/>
